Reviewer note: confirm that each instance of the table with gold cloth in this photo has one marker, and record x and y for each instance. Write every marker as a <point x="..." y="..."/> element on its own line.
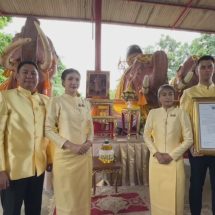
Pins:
<point x="134" y="158"/>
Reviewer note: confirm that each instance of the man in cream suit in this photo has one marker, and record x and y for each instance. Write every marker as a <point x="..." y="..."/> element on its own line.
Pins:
<point x="23" y="147"/>
<point x="200" y="163"/>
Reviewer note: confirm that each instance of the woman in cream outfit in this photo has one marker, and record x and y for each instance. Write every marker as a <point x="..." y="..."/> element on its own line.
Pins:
<point x="69" y="125"/>
<point x="168" y="134"/>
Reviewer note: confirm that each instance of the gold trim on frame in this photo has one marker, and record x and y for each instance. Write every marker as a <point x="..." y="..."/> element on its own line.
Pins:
<point x="98" y="84"/>
<point x="196" y="125"/>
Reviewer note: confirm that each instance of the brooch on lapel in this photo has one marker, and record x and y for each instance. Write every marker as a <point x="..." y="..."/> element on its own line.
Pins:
<point x="41" y="104"/>
<point x="81" y="105"/>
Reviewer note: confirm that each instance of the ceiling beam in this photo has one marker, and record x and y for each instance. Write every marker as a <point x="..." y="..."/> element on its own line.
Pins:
<point x="172" y="4"/>
<point x="24" y="15"/>
<point x="109" y="22"/>
<point x="159" y="27"/>
<point x="183" y="15"/>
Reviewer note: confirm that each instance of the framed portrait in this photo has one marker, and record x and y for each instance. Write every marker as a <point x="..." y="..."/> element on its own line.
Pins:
<point x="204" y="125"/>
<point x="98" y="84"/>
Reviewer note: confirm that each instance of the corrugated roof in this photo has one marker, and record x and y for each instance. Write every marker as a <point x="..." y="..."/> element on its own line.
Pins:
<point x="194" y="15"/>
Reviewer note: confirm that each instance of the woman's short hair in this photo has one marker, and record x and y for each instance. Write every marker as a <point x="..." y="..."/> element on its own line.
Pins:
<point x="68" y="71"/>
<point x="165" y="87"/>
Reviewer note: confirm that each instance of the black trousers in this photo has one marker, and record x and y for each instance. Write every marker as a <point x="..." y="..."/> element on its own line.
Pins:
<point x="28" y="190"/>
<point x="199" y="166"/>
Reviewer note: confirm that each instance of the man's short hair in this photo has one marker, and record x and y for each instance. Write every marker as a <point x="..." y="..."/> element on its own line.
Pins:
<point x="22" y="63"/>
<point x="205" y="57"/>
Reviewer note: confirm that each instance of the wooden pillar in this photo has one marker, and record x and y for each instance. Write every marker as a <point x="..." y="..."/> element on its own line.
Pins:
<point x="98" y="12"/>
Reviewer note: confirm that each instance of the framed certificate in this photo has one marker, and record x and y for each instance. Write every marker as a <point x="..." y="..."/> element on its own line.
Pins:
<point x="204" y="125"/>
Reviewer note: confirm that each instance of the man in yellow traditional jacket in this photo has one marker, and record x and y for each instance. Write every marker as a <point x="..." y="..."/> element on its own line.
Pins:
<point x="200" y="163"/>
<point x="23" y="147"/>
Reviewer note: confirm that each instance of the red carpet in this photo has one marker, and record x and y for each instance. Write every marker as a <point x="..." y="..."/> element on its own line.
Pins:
<point x="123" y="203"/>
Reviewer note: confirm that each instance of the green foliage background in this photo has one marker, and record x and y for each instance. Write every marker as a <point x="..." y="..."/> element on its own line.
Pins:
<point x="57" y="84"/>
<point x="5" y="40"/>
<point x="178" y="52"/>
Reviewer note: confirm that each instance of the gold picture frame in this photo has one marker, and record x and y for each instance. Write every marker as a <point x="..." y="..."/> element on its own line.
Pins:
<point x="204" y="125"/>
<point x="98" y="84"/>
